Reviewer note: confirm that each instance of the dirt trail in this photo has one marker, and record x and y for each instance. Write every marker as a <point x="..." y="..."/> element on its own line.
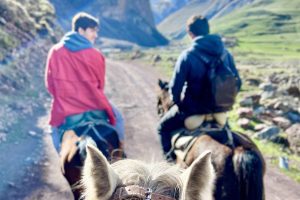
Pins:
<point x="132" y="88"/>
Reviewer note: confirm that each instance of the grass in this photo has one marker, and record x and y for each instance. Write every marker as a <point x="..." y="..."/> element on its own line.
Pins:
<point x="267" y="31"/>
<point x="274" y="151"/>
<point x="6" y="42"/>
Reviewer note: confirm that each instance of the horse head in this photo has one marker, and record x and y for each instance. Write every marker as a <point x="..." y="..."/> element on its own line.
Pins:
<point x="132" y="179"/>
<point x="164" y="101"/>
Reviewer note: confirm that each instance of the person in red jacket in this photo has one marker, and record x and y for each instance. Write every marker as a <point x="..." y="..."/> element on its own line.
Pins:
<point x="75" y="77"/>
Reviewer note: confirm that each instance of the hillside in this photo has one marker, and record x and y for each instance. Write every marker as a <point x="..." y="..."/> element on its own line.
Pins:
<point x="21" y="21"/>
<point x="122" y="20"/>
<point x="173" y="26"/>
<point x="267" y="30"/>
<point x="163" y="8"/>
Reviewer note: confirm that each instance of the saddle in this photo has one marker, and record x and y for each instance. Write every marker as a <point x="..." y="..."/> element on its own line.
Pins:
<point x="213" y="125"/>
<point x="95" y="125"/>
<point x="195" y="121"/>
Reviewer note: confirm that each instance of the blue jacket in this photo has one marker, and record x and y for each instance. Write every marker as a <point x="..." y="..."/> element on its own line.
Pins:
<point x="189" y="77"/>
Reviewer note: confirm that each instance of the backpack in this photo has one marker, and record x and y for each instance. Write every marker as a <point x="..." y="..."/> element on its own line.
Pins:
<point x="222" y="84"/>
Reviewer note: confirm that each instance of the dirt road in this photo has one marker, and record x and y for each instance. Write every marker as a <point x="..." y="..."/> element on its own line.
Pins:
<point x="131" y="87"/>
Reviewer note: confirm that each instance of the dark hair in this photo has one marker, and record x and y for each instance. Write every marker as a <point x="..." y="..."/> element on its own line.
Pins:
<point x="198" y="25"/>
<point x="84" y="21"/>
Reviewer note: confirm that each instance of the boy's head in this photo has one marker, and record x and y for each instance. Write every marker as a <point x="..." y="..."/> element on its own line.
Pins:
<point x="197" y="25"/>
<point x="86" y="25"/>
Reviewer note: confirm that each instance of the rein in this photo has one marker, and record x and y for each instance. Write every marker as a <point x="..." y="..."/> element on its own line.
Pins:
<point x="137" y="192"/>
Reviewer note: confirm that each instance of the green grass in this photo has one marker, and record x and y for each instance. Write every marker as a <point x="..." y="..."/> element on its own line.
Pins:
<point x="274" y="151"/>
<point x="266" y="31"/>
<point x="7" y="42"/>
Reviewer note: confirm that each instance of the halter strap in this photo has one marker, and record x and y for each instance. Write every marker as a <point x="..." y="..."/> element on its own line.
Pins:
<point x="134" y="190"/>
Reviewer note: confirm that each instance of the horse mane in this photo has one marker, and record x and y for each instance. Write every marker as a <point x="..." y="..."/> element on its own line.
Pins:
<point x="162" y="178"/>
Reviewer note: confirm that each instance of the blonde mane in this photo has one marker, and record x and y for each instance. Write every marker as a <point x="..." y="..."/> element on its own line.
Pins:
<point x="162" y="178"/>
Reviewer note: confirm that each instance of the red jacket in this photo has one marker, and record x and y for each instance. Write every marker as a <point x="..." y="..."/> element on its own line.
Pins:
<point x="76" y="82"/>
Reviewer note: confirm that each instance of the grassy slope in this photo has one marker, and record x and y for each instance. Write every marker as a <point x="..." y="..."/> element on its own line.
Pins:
<point x="174" y="25"/>
<point x="267" y="30"/>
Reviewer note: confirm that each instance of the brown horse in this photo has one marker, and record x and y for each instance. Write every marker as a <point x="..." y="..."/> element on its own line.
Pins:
<point x="136" y="180"/>
<point x="73" y="148"/>
<point x="240" y="167"/>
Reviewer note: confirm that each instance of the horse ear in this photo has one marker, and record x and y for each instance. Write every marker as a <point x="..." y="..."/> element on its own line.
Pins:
<point x="164" y="85"/>
<point x="99" y="179"/>
<point x="161" y="83"/>
<point x="198" y="179"/>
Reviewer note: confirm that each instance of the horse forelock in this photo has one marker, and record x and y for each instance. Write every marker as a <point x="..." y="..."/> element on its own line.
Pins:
<point x="162" y="178"/>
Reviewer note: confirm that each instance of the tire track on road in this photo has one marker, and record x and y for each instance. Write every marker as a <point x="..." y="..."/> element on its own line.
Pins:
<point x="132" y="88"/>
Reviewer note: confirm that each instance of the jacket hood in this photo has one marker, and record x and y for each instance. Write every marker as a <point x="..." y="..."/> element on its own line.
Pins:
<point x="211" y="45"/>
<point x="75" y="42"/>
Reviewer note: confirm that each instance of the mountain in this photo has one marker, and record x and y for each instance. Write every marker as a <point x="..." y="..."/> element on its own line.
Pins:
<point x="119" y="19"/>
<point x="174" y="25"/>
<point x="163" y="8"/>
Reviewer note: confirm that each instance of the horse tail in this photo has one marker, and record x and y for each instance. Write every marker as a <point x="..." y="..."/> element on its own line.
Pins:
<point x="249" y="167"/>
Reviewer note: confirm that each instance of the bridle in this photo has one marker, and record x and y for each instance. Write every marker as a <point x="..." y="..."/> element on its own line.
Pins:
<point x="137" y="192"/>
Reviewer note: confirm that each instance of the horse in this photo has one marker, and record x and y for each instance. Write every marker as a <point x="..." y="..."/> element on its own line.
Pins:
<point x="239" y="167"/>
<point x="132" y="179"/>
<point x="79" y="131"/>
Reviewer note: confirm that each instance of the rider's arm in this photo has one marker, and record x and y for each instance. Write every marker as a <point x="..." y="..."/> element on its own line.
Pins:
<point x="235" y="71"/>
<point x="179" y="78"/>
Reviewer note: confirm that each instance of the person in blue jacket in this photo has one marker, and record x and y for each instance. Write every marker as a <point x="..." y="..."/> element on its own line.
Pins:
<point x="189" y="82"/>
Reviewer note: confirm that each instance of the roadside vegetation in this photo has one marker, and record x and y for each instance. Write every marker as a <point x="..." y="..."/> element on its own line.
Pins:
<point x="21" y="22"/>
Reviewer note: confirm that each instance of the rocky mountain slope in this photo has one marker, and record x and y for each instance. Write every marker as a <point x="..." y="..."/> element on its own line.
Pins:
<point x="27" y="31"/>
<point x="163" y="8"/>
<point x="120" y="19"/>
<point x="174" y="25"/>
<point x="21" y="21"/>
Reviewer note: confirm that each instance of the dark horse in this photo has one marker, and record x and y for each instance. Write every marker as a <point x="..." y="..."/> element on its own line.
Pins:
<point x="79" y="130"/>
<point x="239" y="167"/>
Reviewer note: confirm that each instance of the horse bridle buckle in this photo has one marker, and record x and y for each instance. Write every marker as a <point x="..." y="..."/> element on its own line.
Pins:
<point x="148" y="194"/>
<point x="125" y="192"/>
